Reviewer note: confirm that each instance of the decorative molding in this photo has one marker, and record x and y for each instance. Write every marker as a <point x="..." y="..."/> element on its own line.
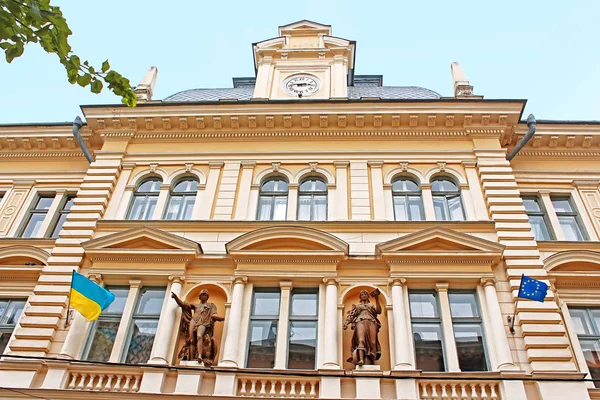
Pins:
<point x="275" y="166"/>
<point x="431" y="121"/>
<point x="270" y="121"/>
<point x="413" y="120"/>
<point x="359" y="121"/>
<point x="200" y="122"/>
<point x="468" y="120"/>
<point x="183" y="123"/>
<point x="252" y="122"/>
<point x="377" y="121"/>
<point x="395" y="121"/>
<point x="305" y="121"/>
<point x="235" y="122"/>
<point x="287" y="121"/>
<point x="149" y="124"/>
<point x="341" y="121"/>
<point x="323" y="121"/>
<point x="217" y="124"/>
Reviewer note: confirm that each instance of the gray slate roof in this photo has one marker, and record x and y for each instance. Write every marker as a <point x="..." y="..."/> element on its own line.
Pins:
<point x="354" y="92"/>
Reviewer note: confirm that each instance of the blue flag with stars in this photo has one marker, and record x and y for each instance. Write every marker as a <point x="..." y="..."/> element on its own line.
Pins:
<point x="532" y="289"/>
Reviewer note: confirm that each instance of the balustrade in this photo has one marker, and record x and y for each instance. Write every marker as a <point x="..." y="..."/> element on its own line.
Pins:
<point x="458" y="390"/>
<point x="278" y="387"/>
<point x="105" y="382"/>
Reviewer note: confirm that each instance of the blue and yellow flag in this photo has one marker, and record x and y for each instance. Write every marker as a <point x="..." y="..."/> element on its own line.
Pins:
<point x="532" y="289"/>
<point x="89" y="298"/>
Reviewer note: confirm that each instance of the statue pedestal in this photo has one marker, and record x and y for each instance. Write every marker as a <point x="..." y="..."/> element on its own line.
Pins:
<point x="188" y="381"/>
<point x="367" y="387"/>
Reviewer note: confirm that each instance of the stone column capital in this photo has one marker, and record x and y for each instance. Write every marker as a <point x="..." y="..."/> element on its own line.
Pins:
<point x="165" y="186"/>
<point x="97" y="278"/>
<point x="375" y="164"/>
<point x="248" y="164"/>
<point x="240" y="280"/>
<point x="286" y="285"/>
<point x="177" y="279"/>
<point x="442" y="287"/>
<point x="331" y="281"/>
<point x="128" y="166"/>
<point x="215" y="164"/>
<point x="426" y="185"/>
<point x="397" y="281"/>
<point x="135" y="283"/>
<point x="294" y="186"/>
<point x="341" y="164"/>
<point x="469" y="164"/>
<point x="488" y="282"/>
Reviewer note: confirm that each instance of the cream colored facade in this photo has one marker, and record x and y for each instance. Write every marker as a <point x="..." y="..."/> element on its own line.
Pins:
<point x="358" y="239"/>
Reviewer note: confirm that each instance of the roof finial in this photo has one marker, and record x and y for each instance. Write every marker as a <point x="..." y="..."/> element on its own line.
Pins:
<point x="462" y="87"/>
<point x="145" y="89"/>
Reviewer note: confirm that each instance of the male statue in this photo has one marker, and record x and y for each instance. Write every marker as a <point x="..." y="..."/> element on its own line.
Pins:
<point x="197" y="322"/>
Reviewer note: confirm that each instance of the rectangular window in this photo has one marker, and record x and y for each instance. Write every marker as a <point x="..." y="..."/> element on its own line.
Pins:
<point x="537" y="218"/>
<point x="10" y="311"/>
<point x="264" y="317"/>
<point x="36" y="216"/>
<point x="587" y="327"/>
<point x="568" y="219"/>
<point x="302" y="349"/>
<point x="427" y="331"/>
<point x="468" y="332"/>
<point x="144" y="325"/>
<point x="104" y="330"/>
<point x="62" y="215"/>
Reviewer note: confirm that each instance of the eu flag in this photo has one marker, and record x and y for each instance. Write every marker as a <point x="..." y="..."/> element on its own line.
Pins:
<point x="532" y="289"/>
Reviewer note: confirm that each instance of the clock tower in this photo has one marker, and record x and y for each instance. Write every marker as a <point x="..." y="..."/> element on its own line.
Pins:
<point x="304" y="62"/>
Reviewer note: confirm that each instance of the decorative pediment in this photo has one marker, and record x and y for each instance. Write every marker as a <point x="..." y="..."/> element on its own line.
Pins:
<point x="440" y="245"/>
<point x="144" y="242"/>
<point x="304" y="27"/>
<point x="574" y="268"/>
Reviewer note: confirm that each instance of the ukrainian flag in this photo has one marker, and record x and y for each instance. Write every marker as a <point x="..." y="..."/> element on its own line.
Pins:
<point x="89" y="298"/>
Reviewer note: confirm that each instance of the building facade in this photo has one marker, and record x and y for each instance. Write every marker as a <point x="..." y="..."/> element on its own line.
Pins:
<point x="285" y="197"/>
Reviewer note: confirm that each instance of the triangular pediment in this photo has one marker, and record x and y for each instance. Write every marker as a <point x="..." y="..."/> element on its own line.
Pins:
<point x="438" y="238"/>
<point x="143" y="239"/>
<point x="304" y="26"/>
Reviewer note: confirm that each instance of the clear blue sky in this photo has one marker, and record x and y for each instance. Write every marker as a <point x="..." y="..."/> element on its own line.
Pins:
<point x="544" y="51"/>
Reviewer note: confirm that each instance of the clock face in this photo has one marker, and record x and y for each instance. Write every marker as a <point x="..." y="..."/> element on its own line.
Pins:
<point x="301" y="85"/>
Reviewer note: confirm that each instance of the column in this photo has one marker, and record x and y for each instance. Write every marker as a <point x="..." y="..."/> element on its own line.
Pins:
<point x="499" y="341"/>
<point x="554" y="222"/>
<point x="168" y="319"/>
<point x="283" y="327"/>
<point x="447" y="328"/>
<point x="51" y="214"/>
<point x="119" y="344"/>
<point x="402" y="351"/>
<point x="481" y="213"/>
<point x="292" y="206"/>
<point x="232" y="339"/>
<point x="243" y="197"/>
<point x="428" y="202"/>
<point x="377" y="190"/>
<point x="210" y="192"/>
<point x="161" y="203"/>
<point x="468" y="202"/>
<point x="118" y="194"/>
<point x="331" y="359"/>
<point x="341" y="179"/>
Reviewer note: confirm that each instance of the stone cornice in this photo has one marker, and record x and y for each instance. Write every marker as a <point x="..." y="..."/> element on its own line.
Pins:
<point x="42" y="154"/>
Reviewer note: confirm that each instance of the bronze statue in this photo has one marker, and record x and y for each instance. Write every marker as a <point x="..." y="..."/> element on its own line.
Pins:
<point x="198" y="328"/>
<point x="362" y="318"/>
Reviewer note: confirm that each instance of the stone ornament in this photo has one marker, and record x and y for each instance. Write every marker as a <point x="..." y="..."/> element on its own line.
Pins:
<point x="197" y="323"/>
<point x="363" y="320"/>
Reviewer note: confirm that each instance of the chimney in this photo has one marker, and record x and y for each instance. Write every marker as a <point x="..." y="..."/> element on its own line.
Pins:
<point x="462" y="87"/>
<point x="145" y="89"/>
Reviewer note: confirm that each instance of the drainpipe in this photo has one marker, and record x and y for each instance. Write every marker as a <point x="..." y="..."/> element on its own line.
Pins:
<point x="77" y="124"/>
<point x="532" y="125"/>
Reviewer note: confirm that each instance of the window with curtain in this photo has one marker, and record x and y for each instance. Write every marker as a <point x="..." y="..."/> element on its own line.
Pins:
<point x="446" y="200"/>
<point x="302" y="349"/>
<point x="36" y="216"/>
<point x="312" y="200"/>
<point x="468" y="331"/>
<point x="427" y="331"/>
<point x="104" y="329"/>
<point x="182" y="199"/>
<point x="264" y="318"/>
<point x="537" y="218"/>
<point x="145" y="199"/>
<point x="587" y="326"/>
<point x="568" y="219"/>
<point x="144" y="325"/>
<point x="272" y="202"/>
<point x="408" y="203"/>
<point x="62" y="215"/>
<point x="10" y="311"/>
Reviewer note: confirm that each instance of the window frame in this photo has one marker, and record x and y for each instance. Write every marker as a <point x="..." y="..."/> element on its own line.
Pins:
<point x="595" y="329"/>
<point x="407" y="195"/>
<point x="4" y="328"/>
<point x="312" y="194"/>
<point x="252" y="317"/>
<point x="429" y="321"/>
<point x="542" y="213"/>
<point x="291" y="318"/>
<point x="272" y="195"/>
<point x="447" y="195"/>
<point x="146" y="195"/>
<point x="182" y="195"/>
<point x="60" y="212"/>
<point x="574" y="213"/>
<point x="33" y="210"/>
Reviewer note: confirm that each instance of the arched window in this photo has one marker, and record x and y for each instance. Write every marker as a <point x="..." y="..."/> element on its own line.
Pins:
<point x="182" y="199"/>
<point x="144" y="199"/>
<point x="446" y="200"/>
<point x="408" y="203"/>
<point x="312" y="200"/>
<point x="272" y="204"/>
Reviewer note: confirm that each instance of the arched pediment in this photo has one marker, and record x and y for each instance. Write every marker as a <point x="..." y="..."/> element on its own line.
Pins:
<point x="22" y="254"/>
<point x="573" y="260"/>
<point x="286" y="239"/>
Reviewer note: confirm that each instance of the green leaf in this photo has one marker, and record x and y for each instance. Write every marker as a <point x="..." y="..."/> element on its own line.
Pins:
<point x="105" y="66"/>
<point x="92" y="70"/>
<point x="14" y="51"/>
<point x="84" y="80"/>
<point x="96" y="86"/>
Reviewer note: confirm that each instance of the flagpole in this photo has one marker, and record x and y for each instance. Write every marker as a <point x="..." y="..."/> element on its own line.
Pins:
<point x="511" y="325"/>
<point x="69" y="301"/>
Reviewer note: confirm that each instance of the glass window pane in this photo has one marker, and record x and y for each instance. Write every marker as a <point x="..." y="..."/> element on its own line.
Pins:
<point x="69" y="204"/>
<point x="261" y="349"/>
<point x="443" y="185"/>
<point x="151" y="301"/>
<point x="415" y="208"/>
<point x="280" y="186"/>
<point x="591" y="352"/>
<point x="463" y="305"/>
<point x="4" y="338"/>
<point x="266" y="303"/>
<point x="320" y="208"/>
<point x="150" y="186"/>
<point x="33" y="226"/>
<point x="135" y="212"/>
<point x="3" y="307"/>
<point x="188" y="185"/>
<point x="14" y="311"/>
<point x="59" y="223"/>
<point x="303" y="345"/>
<point x="570" y="228"/>
<point x="44" y="203"/>
<point x="562" y="205"/>
<point x="304" y="304"/>
<point x="264" y="208"/>
<point x="423" y="305"/>
<point x="320" y="186"/>
<point x="439" y="205"/>
<point x="306" y="186"/>
<point x="596" y="319"/>
<point x="428" y="347"/>
<point x="469" y="346"/>
<point x="117" y="306"/>
<point x="538" y="227"/>
<point x="188" y="207"/>
<point x="103" y="340"/>
<point x="531" y="204"/>
<point x="456" y="210"/>
<point x="142" y="339"/>
<point x="304" y="208"/>
<point x="400" y="208"/>
<point x="268" y="186"/>
<point x="173" y="207"/>
<point x="280" y="211"/>
<point x="151" y="206"/>
<point x="581" y="321"/>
